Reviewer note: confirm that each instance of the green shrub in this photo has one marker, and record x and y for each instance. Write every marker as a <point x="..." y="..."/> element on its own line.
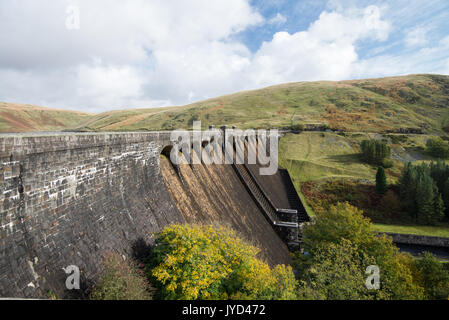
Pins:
<point x="435" y="277"/>
<point x="121" y="280"/>
<point x="398" y="138"/>
<point x="193" y="118"/>
<point x="387" y="163"/>
<point x="437" y="148"/>
<point x="297" y="127"/>
<point x="342" y="235"/>
<point x="331" y="262"/>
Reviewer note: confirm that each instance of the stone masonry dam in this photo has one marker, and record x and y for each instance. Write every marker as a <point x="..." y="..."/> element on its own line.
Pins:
<point x="68" y="199"/>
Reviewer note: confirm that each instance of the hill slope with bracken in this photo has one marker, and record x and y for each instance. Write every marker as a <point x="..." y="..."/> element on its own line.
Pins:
<point x="26" y="118"/>
<point x="420" y="102"/>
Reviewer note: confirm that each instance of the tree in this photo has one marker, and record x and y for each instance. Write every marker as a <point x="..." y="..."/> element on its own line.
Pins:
<point x="381" y="181"/>
<point x="337" y="274"/>
<point x="435" y="277"/>
<point x="420" y="192"/>
<point x="407" y="187"/>
<point x="437" y="147"/>
<point x="205" y="262"/>
<point x="445" y="196"/>
<point x="425" y="199"/>
<point x="374" y="151"/>
<point x="345" y="222"/>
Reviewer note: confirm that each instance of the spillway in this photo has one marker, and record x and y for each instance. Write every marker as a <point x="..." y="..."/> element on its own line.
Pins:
<point x="214" y="194"/>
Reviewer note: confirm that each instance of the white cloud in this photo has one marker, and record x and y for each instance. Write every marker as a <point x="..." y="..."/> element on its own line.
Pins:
<point x="143" y="53"/>
<point x="432" y="59"/>
<point x="417" y="37"/>
<point x="352" y="26"/>
<point x="326" y="51"/>
<point x="278" y="19"/>
<point x="125" y="53"/>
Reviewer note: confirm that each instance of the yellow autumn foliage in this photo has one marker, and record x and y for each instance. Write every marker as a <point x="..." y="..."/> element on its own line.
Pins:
<point x="207" y="262"/>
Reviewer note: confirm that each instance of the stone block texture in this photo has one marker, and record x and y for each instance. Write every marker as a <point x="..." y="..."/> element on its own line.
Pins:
<point x="68" y="199"/>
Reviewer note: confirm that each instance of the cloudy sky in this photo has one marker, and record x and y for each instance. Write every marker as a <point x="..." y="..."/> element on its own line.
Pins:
<point x="151" y="53"/>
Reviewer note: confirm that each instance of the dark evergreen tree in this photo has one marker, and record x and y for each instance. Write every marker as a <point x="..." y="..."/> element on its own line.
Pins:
<point x="438" y="207"/>
<point x="407" y="186"/>
<point x="445" y="195"/>
<point x="381" y="181"/>
<point x="439" y="172"/>
<point x="420" y="193"/>
<point x="424" y="199"/>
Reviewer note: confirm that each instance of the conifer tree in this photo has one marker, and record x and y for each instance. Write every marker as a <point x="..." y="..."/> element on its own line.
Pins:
<point x="424" y="199"/>
<point x="420" y="192"/>
<point x="438" y="207"/>
<point x="445" y="195"/>
<point x="381" y="181"/>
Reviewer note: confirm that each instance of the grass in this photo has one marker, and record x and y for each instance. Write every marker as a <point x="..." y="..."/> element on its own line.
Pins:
<point x="312" y="156"/>
<point x="436" y="231"/>
<point x="369" y="105"/>
<point x="374" y="105"/>
<point x="325" y="157"/>
<point x="25" y="118"/>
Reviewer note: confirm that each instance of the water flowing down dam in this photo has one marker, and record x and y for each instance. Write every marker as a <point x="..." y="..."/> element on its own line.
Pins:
<point x="68" y="199"/>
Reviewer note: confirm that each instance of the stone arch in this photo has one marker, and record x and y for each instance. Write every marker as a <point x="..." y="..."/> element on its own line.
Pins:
<point x="167" y="150"/>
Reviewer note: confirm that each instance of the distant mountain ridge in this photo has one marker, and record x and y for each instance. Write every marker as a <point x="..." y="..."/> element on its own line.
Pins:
<point x="377" y="105"/>
<point x="413" y="103"/>
<point x="16" y="117"/>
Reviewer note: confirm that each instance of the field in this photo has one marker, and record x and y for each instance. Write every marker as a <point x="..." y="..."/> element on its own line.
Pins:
<point x="435" y="231"/>
<point x="24" y="118"/>
<point x="326" y="168"/>
<point x="414" y="103"/>
<point x="313" y="156"/>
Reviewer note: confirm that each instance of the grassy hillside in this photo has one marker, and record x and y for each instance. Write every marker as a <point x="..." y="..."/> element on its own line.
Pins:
<point x="25" y="118"/>
<point x="375" y="105"/>
<point x="326" y="167"/>
<point x="313" y="156"/>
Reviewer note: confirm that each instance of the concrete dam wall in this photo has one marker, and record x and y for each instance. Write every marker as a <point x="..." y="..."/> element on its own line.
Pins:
<point x="68" y="199"/>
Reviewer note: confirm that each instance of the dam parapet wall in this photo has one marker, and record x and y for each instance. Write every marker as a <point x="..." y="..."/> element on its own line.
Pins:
<point x="413" y="239"/>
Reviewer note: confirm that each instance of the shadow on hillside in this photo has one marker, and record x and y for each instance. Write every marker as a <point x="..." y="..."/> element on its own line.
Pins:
<point x="352" y="158"/>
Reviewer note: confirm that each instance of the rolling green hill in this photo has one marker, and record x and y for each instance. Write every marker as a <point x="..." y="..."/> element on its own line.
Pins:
<point x="374" y="105"/>
<point x="26" y="118"/>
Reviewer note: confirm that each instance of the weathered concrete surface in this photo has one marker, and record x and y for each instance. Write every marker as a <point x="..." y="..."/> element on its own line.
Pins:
<point x="67" y="199"/>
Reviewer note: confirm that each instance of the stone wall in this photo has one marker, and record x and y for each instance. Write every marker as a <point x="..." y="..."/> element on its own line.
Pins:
<point x="419" y="240"/>
<point x="68" y="199"/>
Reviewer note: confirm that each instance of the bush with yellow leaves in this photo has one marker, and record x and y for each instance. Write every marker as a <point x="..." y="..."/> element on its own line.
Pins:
<point x="205" y="262"/>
